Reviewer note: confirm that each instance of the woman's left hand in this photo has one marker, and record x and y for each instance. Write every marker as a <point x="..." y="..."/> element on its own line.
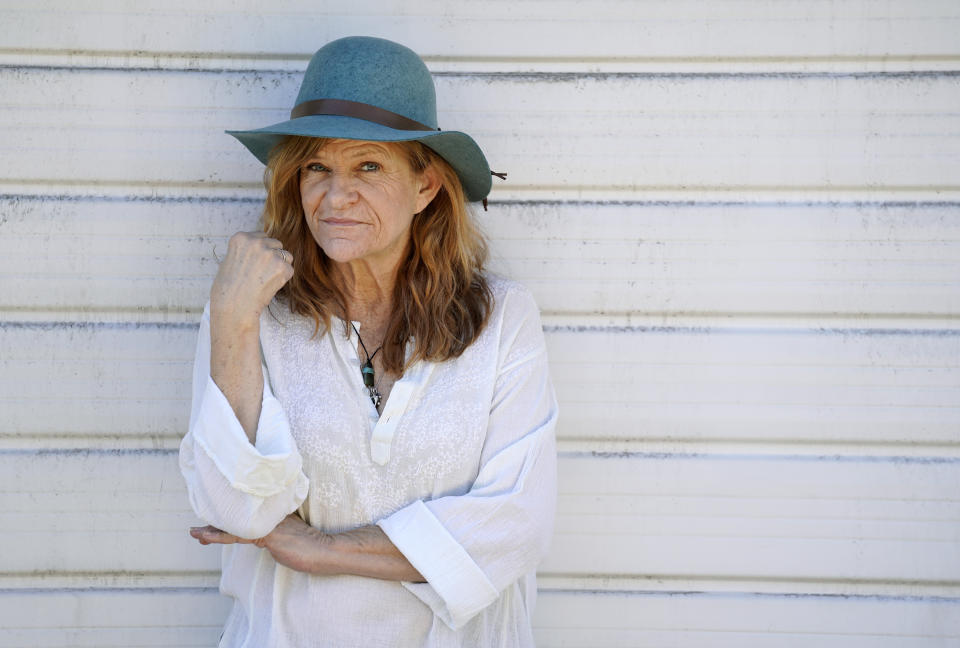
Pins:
<point x="292" y="543"/>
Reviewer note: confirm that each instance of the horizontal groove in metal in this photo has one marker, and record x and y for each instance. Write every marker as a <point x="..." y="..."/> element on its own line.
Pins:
<point x="809" y="391"/>
<point x="872" y="528"/>
<point x="895" y="132"/>
<point x="819" y="264"/>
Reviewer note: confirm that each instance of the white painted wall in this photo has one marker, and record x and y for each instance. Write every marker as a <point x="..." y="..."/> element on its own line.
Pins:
<point x="741" y="220"/>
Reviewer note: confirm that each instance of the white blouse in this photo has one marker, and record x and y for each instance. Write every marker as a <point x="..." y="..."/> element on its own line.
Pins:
<point x="459" y="471"/>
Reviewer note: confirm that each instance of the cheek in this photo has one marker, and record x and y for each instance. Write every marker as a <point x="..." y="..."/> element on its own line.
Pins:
<point x="307" y="200"/>
<point x="309" y="203"/>
<point x="309" y="216"/>
<point x="311" y="225"/>
<point x="398" y="229"/>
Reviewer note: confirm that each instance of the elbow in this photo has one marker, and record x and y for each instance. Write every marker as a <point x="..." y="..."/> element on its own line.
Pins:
<point x="538" y="540"/>
<point x="543" y="540"/>
<point x="248" y="522"/>
<point x="542" y="514"/>
<point x="219" y="503"/>
<point x="254" y="528"/>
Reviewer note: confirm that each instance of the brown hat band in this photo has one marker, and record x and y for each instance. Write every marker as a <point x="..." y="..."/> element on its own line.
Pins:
<point x="358" y="110"/>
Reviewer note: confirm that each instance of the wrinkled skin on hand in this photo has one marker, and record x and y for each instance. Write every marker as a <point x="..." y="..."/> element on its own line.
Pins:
<point x="292" y="543"/>
<point x="252" y="272"/>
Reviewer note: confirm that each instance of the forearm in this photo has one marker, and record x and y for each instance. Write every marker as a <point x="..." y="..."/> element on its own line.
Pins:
<point x="254" y="269"/>
<point x="235" y="367"/>
<point x="367" y="551"/>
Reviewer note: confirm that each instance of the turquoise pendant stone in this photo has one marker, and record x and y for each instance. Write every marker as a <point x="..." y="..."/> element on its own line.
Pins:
<point x="367" y="371"/>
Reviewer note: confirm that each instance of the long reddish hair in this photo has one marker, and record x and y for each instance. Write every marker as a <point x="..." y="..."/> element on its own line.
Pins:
<point x="441" y="299"/>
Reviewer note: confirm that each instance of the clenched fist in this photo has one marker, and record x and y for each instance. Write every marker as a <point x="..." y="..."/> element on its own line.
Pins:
<point x="255" y="268"/>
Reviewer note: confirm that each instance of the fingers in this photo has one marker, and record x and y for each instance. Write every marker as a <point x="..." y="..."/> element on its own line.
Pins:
<point x="274" y="244"/>
<point x="208" y="534"/>
<point x="255" y="268"/>
<point x="246" y="239"/>
<point x="271" y="242"/>
<point x="253" y="244"/>
<point x="286" y="255"/>
<point x="212" y="535"/>
<point x="277" y="246"/>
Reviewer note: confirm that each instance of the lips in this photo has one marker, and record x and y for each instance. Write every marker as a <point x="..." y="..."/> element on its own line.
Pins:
<point x="340" y="222"/>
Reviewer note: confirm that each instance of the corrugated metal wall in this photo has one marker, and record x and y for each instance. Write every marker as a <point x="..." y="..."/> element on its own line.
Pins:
<point x="741" y="220"/>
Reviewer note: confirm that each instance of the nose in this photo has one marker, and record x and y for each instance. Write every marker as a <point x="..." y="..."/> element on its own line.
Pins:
<point x="341" y="191"/>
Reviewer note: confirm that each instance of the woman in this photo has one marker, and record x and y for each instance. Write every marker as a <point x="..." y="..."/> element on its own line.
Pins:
<point x="372" y="430"/>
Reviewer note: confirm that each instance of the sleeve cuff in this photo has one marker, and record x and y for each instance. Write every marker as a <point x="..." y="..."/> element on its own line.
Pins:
<point x="456" y="588"/>
<point x="262" y="470"/>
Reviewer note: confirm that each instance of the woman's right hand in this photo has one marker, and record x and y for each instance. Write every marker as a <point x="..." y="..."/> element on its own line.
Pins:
<point x="254" y="269"/>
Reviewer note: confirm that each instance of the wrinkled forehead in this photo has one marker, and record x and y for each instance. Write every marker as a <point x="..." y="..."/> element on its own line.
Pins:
<point x="357" y="148"/>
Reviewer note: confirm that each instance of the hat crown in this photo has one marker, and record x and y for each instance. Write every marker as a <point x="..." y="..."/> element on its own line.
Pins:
<point x="372" y="71"/>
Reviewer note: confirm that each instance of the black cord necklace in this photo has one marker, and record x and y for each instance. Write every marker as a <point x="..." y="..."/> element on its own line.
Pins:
<point x="366" y="370"/>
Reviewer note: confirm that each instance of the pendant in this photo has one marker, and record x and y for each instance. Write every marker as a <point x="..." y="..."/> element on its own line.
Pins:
<point x="367" y="371"/>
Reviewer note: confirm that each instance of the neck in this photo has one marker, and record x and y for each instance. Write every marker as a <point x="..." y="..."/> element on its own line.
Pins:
<point x="368" y="292"/>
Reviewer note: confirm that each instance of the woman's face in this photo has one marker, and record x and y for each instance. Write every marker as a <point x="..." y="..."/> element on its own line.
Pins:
<point x="359" y="199"/>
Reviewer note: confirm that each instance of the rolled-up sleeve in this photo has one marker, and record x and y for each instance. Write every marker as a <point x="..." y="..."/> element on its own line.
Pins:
<point x="471" y="547"/>
<point x="242" y="488"/>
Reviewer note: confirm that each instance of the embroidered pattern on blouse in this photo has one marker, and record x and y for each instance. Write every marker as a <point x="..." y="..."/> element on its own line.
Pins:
<point x="440" y="431"/>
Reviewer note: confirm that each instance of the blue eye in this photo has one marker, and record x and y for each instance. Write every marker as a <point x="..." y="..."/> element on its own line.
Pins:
<point x="316" y="167"/>
<point x="370" y="166"/>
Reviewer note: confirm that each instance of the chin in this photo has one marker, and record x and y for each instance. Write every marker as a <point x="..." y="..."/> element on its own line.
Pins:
<point x="342" y="253"/>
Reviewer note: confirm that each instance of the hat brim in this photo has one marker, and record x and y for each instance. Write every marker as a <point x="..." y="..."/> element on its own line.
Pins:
<point x="458" y="149"/>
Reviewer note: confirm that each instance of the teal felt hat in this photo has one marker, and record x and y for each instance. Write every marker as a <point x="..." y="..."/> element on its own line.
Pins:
<point x="364" y="88"/>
